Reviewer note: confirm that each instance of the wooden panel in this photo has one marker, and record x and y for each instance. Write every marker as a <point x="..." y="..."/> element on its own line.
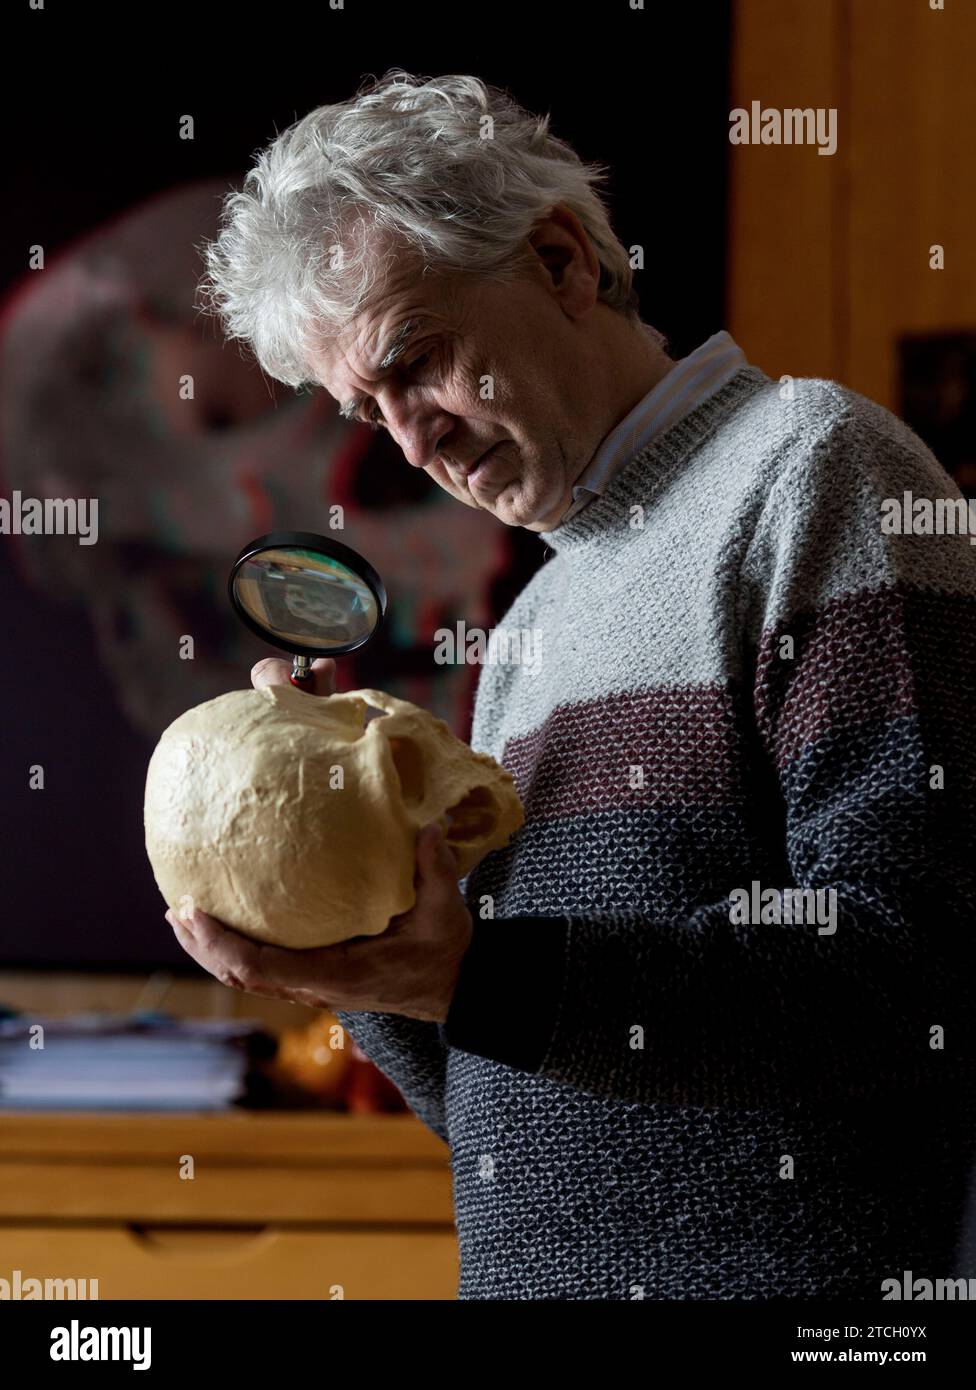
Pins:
<point x="272" y="1264"/>
<point x="913" y="119"/>
<point x="114" y="1191"/>
<point x="238" y="1136"/>
<point x="247" y="1168"/>
<point x="828" y="256"/>
<point x="786" y="302"/>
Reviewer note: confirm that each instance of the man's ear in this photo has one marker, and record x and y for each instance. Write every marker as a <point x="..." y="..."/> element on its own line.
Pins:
<point x="568" y="259"/>
<point x="554" y="254"/>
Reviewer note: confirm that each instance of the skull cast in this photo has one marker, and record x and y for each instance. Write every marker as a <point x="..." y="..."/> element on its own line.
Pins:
<point x="292" y="817"/>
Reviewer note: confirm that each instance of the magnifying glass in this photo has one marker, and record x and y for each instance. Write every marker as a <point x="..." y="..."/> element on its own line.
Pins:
<point x="307" y="595"/>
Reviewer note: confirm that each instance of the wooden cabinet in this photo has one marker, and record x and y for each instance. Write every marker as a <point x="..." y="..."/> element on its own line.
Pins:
<point x="830" y="257"/>
<point x="240" y="1205"/>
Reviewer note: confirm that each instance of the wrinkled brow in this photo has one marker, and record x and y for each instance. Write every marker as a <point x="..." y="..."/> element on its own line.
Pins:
<point x="397" y="346"/>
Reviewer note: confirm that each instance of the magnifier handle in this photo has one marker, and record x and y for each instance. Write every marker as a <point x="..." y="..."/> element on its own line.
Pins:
<point x="302" y="674"/>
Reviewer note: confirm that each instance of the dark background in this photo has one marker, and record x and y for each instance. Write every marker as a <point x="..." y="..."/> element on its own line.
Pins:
<point x="645" y="95"/>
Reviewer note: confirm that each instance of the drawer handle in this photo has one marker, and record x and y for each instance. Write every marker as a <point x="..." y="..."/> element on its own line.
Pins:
<point x="204" y="1243"/>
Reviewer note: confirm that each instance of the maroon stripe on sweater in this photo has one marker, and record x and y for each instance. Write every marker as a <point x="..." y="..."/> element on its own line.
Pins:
<point x="686" y="740"/>
<point x="860" y="660"/>
<point x="854" y="662"/>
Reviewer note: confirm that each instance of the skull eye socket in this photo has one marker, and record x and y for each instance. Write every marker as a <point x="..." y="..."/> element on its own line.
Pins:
<point x="469" y="820"/>
<point x="409" y="764"/>
<point x="474" y="817"/>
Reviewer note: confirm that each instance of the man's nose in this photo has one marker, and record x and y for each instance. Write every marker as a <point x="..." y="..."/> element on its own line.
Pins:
<point x="419" y="431"/>
<point x="414" y="454"/>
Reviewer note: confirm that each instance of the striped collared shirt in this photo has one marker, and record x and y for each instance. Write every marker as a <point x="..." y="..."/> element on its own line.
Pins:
<point x="689" y="382"/>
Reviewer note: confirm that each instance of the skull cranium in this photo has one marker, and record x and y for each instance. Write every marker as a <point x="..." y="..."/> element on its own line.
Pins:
<point x="293" y="818"/>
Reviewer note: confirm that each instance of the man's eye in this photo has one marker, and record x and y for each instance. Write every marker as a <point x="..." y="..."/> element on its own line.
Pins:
<point x="420" y="361"/>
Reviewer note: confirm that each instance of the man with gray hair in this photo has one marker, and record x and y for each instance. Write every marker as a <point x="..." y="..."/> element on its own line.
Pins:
<point x="648" y="1089"/>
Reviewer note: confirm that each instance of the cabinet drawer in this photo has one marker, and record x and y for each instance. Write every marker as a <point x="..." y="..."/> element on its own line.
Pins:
<point x="305" y="1171"/>
<point x="232" y="1193"/>
<point x="214" y="1262"/>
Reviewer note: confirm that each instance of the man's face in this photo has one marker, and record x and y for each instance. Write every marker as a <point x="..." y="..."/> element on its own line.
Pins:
<point x="486" y="367"/>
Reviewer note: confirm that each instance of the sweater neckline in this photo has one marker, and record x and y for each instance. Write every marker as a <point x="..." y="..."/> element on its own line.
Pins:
<point x="610" y="515"/>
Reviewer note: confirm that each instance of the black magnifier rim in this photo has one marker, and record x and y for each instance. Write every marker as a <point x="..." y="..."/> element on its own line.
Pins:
<point x="323" y="545"/>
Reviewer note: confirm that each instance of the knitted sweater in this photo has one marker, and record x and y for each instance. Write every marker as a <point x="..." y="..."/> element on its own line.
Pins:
<point x="644" y="1094"/>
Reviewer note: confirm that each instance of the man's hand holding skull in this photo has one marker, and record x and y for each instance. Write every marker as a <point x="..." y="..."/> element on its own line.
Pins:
<point x="411" y="969"/>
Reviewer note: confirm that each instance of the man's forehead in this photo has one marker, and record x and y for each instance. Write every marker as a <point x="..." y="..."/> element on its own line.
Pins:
<point x="363" y="341"/>
<point x="402" y="296"/>
<point x="374" y="340"/>
<point x="370" y="351"/>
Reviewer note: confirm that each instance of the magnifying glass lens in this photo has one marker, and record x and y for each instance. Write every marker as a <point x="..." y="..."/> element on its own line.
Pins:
<point x="307" y="594"/>
<point x="306" y="600"/>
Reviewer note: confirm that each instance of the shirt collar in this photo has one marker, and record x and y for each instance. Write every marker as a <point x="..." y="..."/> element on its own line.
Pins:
<point x="692" y="380"/>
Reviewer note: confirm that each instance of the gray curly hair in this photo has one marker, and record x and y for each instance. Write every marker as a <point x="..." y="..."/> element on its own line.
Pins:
<point x="451" y="169"/>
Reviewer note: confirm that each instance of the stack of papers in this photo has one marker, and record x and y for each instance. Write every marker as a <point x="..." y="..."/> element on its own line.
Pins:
<point x="142" y="1062"/>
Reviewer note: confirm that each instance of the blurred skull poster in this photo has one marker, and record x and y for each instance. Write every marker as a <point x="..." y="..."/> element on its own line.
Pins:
<point x="115" y="388"/>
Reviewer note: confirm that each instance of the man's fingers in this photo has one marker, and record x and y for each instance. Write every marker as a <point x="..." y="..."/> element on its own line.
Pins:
<point x="323" y="676"/>
<point x="272" y="670"/>
<point x="214" y="948"/>
<point x="233" y="959"/>
<point x="435" y="857"/>
<point x="195" y="935"/>
<point x="240" y="963"/>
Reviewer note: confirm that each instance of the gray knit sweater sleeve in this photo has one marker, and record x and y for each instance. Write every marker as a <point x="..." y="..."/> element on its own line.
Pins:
<point x="846" y="753"/>
<point x="411" y="1054"/>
